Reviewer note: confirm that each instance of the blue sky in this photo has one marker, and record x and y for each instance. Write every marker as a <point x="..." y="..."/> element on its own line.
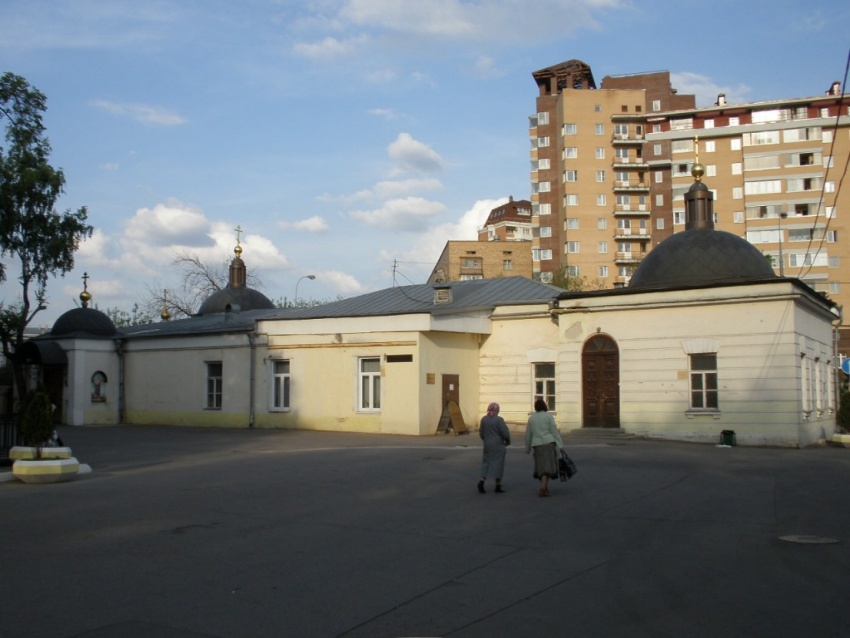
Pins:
<point x="345" y="136"/>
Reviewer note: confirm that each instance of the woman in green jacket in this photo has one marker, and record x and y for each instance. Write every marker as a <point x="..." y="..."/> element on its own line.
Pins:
<point x="542" y="436"/>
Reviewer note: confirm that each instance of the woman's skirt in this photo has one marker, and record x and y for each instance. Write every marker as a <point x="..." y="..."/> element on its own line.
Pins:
<point x="546" y="461"/>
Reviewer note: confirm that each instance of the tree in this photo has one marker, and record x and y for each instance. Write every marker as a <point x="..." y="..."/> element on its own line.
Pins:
<point x="562" y="279"/>
<point x="43" y="240"/>
<point x="135" y="317"/>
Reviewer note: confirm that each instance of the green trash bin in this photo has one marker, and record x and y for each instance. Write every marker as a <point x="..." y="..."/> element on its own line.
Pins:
<point x="727" y="437"/>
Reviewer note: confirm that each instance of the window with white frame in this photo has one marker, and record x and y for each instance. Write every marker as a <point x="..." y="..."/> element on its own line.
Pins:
<point x="682" y="146"/>
<point x="738" y="216"/>
<point x="571" y="199"/>
<point x="545" y="231"/>
<point x="734" y="121"/>
<point x="570" y="176"/>
<point x="214" y="385"/>
<point x="573" y="247"/>
<point x="678" y="217"/>
<point x="570" y="152"/>
<point x="543" y="164"/>
<point x="603" y="271"/>
<point x="600" y="176"/>
<point x="599" y="129"/>
<point x="543" y="118"/>
<point x="708" y="123"/>
<point x="602" y="247"/>
<point x="600" y="152"/>
<point x="542" y="141"/>
<point x="544" y="384"/>
<point x="573" y="271"/>
<point x="369" y="382"/>
<point x="735" y="144"/>
<point x="737" y="192"/>
<point x="658" y="176"/>
<point x="709" y="146"/>
<point x="570" y="129"/>
<point x="544" y="187"/>
<point x="280" y="384"/>
<point x="544" y="209"/>
<point x="656" y="105"/>
<point x="659" y="199"/>
<point x="711" y="170"/>
<point x="545" y="254"/>
<point x="656" y="149"/>
<point x="659" y="223"/>
<point x="571" y="223"/>
<point x="602" y="200"/>
<point x="736" y="168"/>
<point x="601" y="223"/>
<point x="703" y="381"/>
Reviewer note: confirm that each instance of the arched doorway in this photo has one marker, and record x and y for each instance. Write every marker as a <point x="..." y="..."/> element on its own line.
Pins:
<point x="600" y="373"/>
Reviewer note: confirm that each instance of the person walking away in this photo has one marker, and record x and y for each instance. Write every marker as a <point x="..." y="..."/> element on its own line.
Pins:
<point x="494" y="432"/>
<point x="542" y="436"/>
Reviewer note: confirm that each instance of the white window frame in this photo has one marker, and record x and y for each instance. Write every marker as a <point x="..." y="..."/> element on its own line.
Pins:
<point x="703" y="387"/>
<point x="369" y="386"/>
<point x="543" y="383"/>
<point x="280" y="385"/>
<point x="215" y="385"/>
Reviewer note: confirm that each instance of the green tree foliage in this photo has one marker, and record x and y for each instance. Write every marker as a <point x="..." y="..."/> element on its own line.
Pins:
<point x="562" y="279"/>
<point x="41" y="239"/>
<point x="135" y="317"/>
<point x="37" y="419"/>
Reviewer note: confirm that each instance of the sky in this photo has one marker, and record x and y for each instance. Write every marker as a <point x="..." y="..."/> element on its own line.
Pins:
<point x="349" y="139"/>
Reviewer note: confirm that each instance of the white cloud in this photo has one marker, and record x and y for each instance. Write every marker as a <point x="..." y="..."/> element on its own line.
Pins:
<point x="143" y="113"/>
<point x="314" y="224"/>
<point x="387" y="114"/>
<point x="330" y="48"/>
<point x="414" y="155"/>
<point x="706" y="90"/>
<point x="341" y="282"/>
<point x="167" y="224"/>
<point x="110" y="166"/>
<point x="410" y="214"/>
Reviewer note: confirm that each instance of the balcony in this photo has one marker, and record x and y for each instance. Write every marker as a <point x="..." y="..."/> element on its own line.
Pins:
<point x="641" y="234"/>
<point x="627" y="259"/>
<point x="626" y="138"/>
<point x="631" y="187"/>
<point x="639" y="210"/>
<point x="629" y="162"/>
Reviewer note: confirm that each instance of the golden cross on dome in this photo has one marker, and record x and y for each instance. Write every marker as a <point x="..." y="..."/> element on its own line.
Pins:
<point x="85" y="279"/>
<point x="238" y="230"/>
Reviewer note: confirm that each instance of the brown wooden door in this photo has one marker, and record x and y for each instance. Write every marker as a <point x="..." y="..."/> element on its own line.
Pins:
<point x="600" y="366"/>
<point x="451" y="389"/>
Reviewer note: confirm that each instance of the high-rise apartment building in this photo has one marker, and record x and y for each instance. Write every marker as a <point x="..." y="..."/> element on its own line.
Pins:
<point x="610" y="167"/>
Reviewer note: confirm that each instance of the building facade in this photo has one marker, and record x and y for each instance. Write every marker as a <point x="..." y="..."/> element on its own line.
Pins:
<point x="509" y="222"/>
<point x="609" y="168"/>
<point x="465" y="260"/>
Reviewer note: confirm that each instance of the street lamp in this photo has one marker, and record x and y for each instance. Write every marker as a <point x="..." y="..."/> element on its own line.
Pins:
<point x="781" y="260"/>
<point x="296" y="286"/>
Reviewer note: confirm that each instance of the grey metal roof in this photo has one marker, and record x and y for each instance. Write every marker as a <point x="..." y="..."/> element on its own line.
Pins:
<point x="479" y="294"/>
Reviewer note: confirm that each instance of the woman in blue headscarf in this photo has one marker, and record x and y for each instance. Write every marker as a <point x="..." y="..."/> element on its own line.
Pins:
<point x="494" y="432"/>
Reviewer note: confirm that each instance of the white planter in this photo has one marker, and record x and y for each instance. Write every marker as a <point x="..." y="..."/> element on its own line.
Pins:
<point x="45" y="471"/>
<point x="27" y="452"/>
<point x="841" y="439"/>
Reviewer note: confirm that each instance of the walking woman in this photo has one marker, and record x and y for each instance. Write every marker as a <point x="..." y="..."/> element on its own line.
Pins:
<point x="496" y="436"/>
<point x="542" y="436"/>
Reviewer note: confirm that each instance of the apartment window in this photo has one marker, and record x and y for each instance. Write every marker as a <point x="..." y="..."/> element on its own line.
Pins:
<point x="625" y="271"/>
<point x="543" y="118"/>
<point x="802" y="134"/>
<point x="621" y="130"/>
<point x="545" y="277"/>
<point x="809" y="259"/>
<point x="571" y="152"/>
<point x="597" y="108"/>
<point x="543" y="164"/>
<point x="834" y="262"/>
<point x="570" y="129"/>
<point x="545" y="231"/>
<point x="734" y="121"/>
<point x="711" y="170"/>
<point x="761" y="137"/>
<point x="658" y="176"/>
<point x="601" y="200"/>
<point x="659" y="200"/>
<point x="623" y="200"/>
<point x="621" y="154"/>
<point x="682" y="146"/>
<point x="621" y="177"/>
<point x="656" y="149"/>
<point x="656" y="105"/>
<point x="214" y="385"/>
<point x="703" y="381"/>
<point x="544" y="384"/>
<point x="601" y="223"/>
<point x="738" y="217"/>
<point x="507" y="264"/>
<point x="600" y="152"/>
<point x="831" y="236"/>
<point x="735" y="144"/>
<point x="570" y="176"/>
<point x="571" y="199"/>
<point x="369" y="381"/>
<point x="545" y="254"/>
<point x="573" y="271"/>
<point x="678" y="217"/>
<point x="659" y="223"/>
<point x="542" y="141"/>
<point x="829" y="187"/>
<point x="600" y="176"/>
<point x="573" y="247"/>
<point x="571" y="223"/>
<point x="708" y="123"/>
<point x="709" y="146"/>
<point x="280" y="385"/>
<point x="544" y="209"/>
<point x="602" y="247"/>
<point x="624" y="247"/>
<point x="544" y="187"/>
<point x="603" y="271"/>
<point x="763" y="187"/>
<point x="681" y="124"/>
<point x="761" y="162"/>
<point x="600" y="129"/>
<point x="737" y="192"/>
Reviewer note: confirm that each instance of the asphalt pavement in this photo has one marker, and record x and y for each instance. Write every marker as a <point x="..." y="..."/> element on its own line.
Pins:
<point x="185" y="532"/>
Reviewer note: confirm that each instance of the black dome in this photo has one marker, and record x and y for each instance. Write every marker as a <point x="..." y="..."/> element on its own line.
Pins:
<point x="243" y="298"/>
<point x="701" y="256"/>
<point x="84" y="320"/>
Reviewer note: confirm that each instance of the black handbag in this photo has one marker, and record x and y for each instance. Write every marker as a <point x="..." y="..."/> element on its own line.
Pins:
<point x="566" y="467"/>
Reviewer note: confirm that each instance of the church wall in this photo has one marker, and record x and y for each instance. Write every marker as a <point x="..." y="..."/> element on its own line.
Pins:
<point x="756" y="339"/>
<point x="82" y="402"/>
<point x="166" y="381"/>
<point x="520" y="337"/>
<point x="445" y="353"/>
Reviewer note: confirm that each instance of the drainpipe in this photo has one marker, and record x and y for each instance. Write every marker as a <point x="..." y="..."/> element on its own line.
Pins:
<point x="119" y="349"/>
<point x="252" y="380"/>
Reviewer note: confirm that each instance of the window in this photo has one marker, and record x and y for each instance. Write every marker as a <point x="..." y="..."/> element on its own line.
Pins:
<point x="621" y="131"/>
<point x="734" y="121"/>
<point x="544" y="209"/>
<point x="600" y="129"/>
<point x="570" y="176"/>
<point x="543" y="118"/>
<point x="656" y="149"/>
<point x="573" y="247"/>
<point x="603" y="271"/>
<point x="507" y="264"/>
<point x="737" y="192"/>
<point x="622" y="154"/>
<point x="708" y="123"/>
<point x="831" y="236"/>
<point x="682" y="146"/>
<point x="600" y="152"/>
<point x="711" y="170"/>
<point x="573" y="271"/>
<point x="602" y="247"/>
<point x="570" y="152"/>
<point x="572" y="223"/>
<point x="214" y="375"/>
<point x="658" y="176"/>
<point x="763" y="187"/>
<point x="681" y="124"/>
<point x="601" y="223"/>
<point x="601" y="200"/>
<point x="760" y="138"/>
<point x="678" y="217"/>
<point x="570" y="129"/>
<point x="709" y="146"/>
<point x="544" y="187"/>
<point x="659" y="223"/>
<point x="544" y="384"/>
<point x="571" y="200"/>
<point x="543" y="164"/>
<point x="542" y="141"/>
<point x="738" y="217"/>
<point x="545" y="254"/>
<point x="600" y="176"/>
<point x="280" y="385"/>
<point x="656" y="105"/>
<point x="704" y="381"/>
<point x="545" y="231"/>
<point x="735" y="143"/>
<point x="621" y="177"/>
<point x="370" y="383"/>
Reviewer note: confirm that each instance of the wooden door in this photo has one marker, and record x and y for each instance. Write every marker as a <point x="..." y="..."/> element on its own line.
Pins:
<point x="600" y="364"/>
<point x="451" y="389"/>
